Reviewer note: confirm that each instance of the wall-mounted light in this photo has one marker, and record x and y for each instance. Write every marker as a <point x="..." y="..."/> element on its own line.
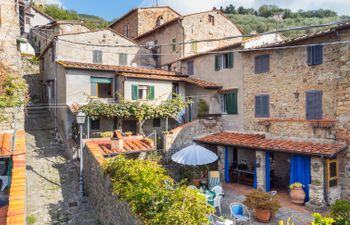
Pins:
<point x="258" y="161"/>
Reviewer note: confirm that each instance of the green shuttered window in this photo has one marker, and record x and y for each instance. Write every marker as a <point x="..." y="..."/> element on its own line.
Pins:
<point x="224" y="61"/>
<point x="229" y="103"/>
<point x="134" y="90"/>
<point x="143" y="92"/>
<point x="150" y="93"/>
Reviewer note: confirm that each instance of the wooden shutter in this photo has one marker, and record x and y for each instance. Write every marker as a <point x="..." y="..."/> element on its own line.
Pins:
<point x="99" y="56"/>
<point x="309" y="55"/>
<point x="217" y="62"/>
<point x="314" y="105"/>
<point x="94" y="56"/>
<point x="151" y="93"/>
<point x="257" y="106"/>
<point x="318" y="54"/>
<point x="134" y="92"/>
<point x="262" y="63"/>
<point x="231" y="103"/>
<point x="265" y="105"/>
<point x="230" y="60"/>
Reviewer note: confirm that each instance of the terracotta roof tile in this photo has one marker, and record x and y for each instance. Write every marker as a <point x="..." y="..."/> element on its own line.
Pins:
<point x="258" y="141"/>
<point x="131" y="144"/>
<point x="93" y="66"/>
<point x="202" y="83"/>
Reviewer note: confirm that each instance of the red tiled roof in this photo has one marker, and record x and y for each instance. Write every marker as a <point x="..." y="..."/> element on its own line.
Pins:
<point x="258" y="141"/>
<point x="131" y="144"/>
<point x="151" y="76"/>
<point x="92" y="66"/>
<point x="202" y="83"/>
<point x="14" y="213"/>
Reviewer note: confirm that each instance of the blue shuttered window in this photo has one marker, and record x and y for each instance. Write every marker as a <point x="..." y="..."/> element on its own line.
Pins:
<point x="262" y="64"/>
<point x="314" y="105"/>
<point x="262" y="106"/>
<point x="315" y="55"/>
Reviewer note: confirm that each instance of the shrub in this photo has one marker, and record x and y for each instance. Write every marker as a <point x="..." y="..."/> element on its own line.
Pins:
<point x="203" y="107"/>
<point x="141" y="183"/>
<point x="340" y="211"/>
<point x="258" y="199"/>
<point x="296" y="184"/>
<point x="319" y="220"/>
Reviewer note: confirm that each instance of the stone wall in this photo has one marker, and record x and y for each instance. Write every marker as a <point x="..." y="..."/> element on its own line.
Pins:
<point x="183" y="136"/>
<point x="7" y="124"/>
<point x="98" y="187"/>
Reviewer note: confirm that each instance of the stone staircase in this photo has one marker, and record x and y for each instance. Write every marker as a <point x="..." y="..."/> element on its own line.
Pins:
<point x="37" y="117"/>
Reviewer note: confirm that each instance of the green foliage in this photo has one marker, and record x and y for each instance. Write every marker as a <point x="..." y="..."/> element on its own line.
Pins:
<point x="13" y="90"/>
<point x="140" y="110"/>
<point x="31" y="219"/>
<point x="296" y="184"/>
<point x="203" y="107"/>
<point x="34" y="60"/>
<point x="340" y="211"/>
<point x="58" y="13"/>
<point x="141" y="183"/>
<point x="319" y="220"/>
<point x="258" y="199"/>
<point x="190" y="172"/>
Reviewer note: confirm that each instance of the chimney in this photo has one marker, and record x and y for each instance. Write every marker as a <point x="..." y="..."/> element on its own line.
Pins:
<point x="117" y="141"/>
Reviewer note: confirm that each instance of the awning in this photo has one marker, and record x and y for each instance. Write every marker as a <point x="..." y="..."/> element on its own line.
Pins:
<point x="101" y="80"/>
<point x="260" y="142"/>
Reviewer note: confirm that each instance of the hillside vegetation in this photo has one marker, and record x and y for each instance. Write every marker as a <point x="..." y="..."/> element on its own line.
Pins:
<point x="262" y="20"/>
<point x="58" y="13"/>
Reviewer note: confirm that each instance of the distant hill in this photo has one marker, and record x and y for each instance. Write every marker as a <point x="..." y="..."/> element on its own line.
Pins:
<point x="91" y="21"/>
<point x="262" y="20"/>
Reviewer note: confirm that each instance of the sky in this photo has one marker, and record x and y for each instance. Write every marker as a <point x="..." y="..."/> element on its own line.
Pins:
<point x="111" y="9"/>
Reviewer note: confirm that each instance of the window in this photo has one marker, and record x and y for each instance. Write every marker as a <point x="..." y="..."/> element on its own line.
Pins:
<point x="314" y="105"/>
<point x="332" y="173"/>
<point x="229" y="103"/>
<point x="27" y="20"/>
<point x="126" y="31"/>
<point x="142" y="92"/>
<point x="190" y="68"/>
<point x="262" y="106"/>
<point x="95" y="124"/>
<point x="123" y="59"/>
<point x="175" y="90"/>
<point x="224" y="61"/>
<point x="97" y="56"/>
<point x="194" y="47"/>
<point x="262" y="64"/>
<point x="211" y="19"/>
<point x="53" y="53"/>
<point x="173" y="45"/>
<point x="156" y="122"/>
<point x="101" y="87"/>
<point x="315" y="55"/>
<point x="159" y="21"/>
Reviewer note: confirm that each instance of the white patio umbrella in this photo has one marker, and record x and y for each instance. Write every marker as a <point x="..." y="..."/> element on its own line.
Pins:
<point x="194" y="155"/>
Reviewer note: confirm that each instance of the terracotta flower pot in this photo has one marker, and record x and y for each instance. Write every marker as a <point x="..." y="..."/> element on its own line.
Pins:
<point x="262" y="215"/>
<point x="297" y="195"/>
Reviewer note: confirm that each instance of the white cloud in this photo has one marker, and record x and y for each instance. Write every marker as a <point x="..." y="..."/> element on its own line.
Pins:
<point x="54" y="2"/>
<point x="189" y="6"/>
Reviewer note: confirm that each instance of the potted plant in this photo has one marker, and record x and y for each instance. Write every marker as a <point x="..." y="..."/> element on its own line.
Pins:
<point x="297" y="194"/>
<point x="264" y="204"/>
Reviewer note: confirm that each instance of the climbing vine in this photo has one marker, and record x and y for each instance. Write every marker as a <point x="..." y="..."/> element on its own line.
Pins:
<point x="140" y="110"/>
<point x="12" y="90"/>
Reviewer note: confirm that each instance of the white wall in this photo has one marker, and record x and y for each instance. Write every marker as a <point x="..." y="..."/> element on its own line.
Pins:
<point x="162" y="89"/>
<point x="36" y="19"/>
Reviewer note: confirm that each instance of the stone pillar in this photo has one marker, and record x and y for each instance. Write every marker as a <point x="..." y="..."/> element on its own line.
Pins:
<point x="261" y="170"/>
<point x="221" y="162"/>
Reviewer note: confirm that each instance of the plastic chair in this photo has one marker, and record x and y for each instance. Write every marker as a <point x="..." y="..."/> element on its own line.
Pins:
<point x="213" y="179"/>
<point x="217" y="202"/>
<point x="239" y="213"/>
<point x="218" y="190"/>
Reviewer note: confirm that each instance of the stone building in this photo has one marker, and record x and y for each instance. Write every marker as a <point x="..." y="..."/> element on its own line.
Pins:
<point x="140" y="20"/>
<point x="297" y="115"/>
<point x="9" y="33"/>
<point x="41" y="36"/>
<point x="189" y="29"/>
<point x="33" y="17"/>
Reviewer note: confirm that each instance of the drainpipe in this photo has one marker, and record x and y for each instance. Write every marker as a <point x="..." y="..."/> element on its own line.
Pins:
<point x="324" y="180"/>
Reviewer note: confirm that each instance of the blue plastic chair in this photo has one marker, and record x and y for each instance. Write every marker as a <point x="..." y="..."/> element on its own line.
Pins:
<point x="239" y="213"/>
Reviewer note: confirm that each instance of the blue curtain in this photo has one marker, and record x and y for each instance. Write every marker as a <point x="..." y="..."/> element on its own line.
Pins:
<point x="255" y="184"/>
<point x="227" y="166"/>
<point x="300" y="171"/>
<point x="267" y="171"/>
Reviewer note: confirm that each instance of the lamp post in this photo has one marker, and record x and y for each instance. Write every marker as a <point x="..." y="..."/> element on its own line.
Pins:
<point x="81" y="116"/>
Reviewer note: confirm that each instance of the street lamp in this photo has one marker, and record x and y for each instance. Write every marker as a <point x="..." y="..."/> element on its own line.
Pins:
<point x="80" y="117"/>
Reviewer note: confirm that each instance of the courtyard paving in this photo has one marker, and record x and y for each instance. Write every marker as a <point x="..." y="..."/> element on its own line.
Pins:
<point x="52" y="182"/>
<point x="233" y="194"/>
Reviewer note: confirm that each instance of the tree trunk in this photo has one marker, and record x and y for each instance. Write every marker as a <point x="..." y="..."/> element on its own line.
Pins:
<point x="139" y="129"/>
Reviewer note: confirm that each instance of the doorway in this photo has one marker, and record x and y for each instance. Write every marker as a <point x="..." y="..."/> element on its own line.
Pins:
<point x="279" y="171"/>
